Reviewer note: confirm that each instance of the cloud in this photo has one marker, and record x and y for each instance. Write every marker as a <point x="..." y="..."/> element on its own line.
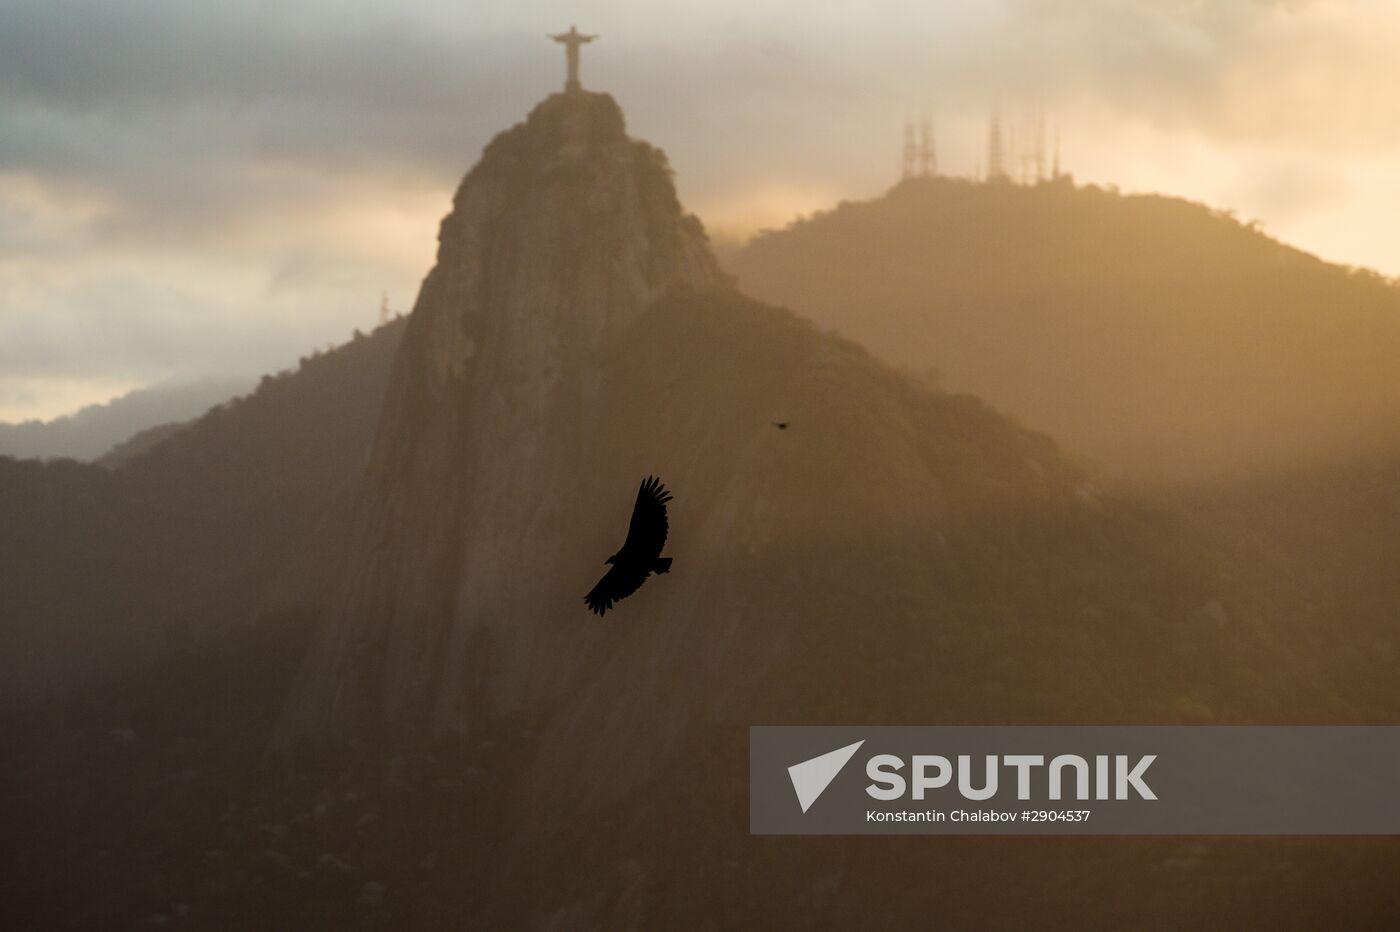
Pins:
<point x="187" y="186"/>
<point x="1305" y="72"/>
<point x="188" y="116"/>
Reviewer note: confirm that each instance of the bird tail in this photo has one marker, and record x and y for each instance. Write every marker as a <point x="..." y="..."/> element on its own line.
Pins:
<point x="662" y="565"/>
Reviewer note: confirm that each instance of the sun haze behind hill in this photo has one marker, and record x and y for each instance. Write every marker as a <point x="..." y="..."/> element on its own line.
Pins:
<point x="1161" y="340"/>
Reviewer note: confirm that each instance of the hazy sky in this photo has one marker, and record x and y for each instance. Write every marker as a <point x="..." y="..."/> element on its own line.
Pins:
<point x="190" y="187"/>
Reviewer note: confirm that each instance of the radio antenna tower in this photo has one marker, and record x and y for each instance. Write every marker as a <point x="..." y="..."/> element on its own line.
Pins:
<point x="996" y="167"/>
<point x="1017" y="167"/>
<point x="920" y="159"/>
<point x="928" y="157"/>
<point x="1039" y="146"/>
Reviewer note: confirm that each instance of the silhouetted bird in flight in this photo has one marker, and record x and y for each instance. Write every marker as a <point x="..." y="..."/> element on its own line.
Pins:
<point x="640" y="555"/>
<point x="781" y="425"/>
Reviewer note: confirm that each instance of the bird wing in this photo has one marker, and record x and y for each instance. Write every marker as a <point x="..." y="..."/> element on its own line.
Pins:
<point x="617" y="583"/>
<point x="633" y="562"/>
<point x="647" y="533"/>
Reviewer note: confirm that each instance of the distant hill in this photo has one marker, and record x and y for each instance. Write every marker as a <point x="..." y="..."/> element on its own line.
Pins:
<point x="188" y="532"/>
<point x="138" y="443"/>
<point x="89" y="433"/>
<point x="1156" y="337"/>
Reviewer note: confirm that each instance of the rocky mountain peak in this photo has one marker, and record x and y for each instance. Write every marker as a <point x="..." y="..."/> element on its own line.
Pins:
<point x="558" y="240"/>
<point x="558" y="237"/>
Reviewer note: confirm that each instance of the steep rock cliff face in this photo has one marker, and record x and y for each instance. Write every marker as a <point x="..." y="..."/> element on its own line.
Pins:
<point x="557" y="241"/>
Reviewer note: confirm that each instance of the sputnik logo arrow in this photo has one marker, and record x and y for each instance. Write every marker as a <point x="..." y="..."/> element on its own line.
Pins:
<point x="811" y="777"/>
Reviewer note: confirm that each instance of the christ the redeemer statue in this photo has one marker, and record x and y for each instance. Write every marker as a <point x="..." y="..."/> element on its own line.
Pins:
<point x="571" y="41"/>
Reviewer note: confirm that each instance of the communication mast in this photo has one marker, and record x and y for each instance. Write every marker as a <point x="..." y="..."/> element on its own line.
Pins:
<point x="928" y="157"/>
<point x="1039" y="146"/>
<point x="996" y="166"/>
<point x="920" y="158"/>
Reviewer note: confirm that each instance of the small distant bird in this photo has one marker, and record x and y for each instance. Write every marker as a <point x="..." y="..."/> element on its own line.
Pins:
<point x="781" y="425"/>
<point x="640" y="555"/>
